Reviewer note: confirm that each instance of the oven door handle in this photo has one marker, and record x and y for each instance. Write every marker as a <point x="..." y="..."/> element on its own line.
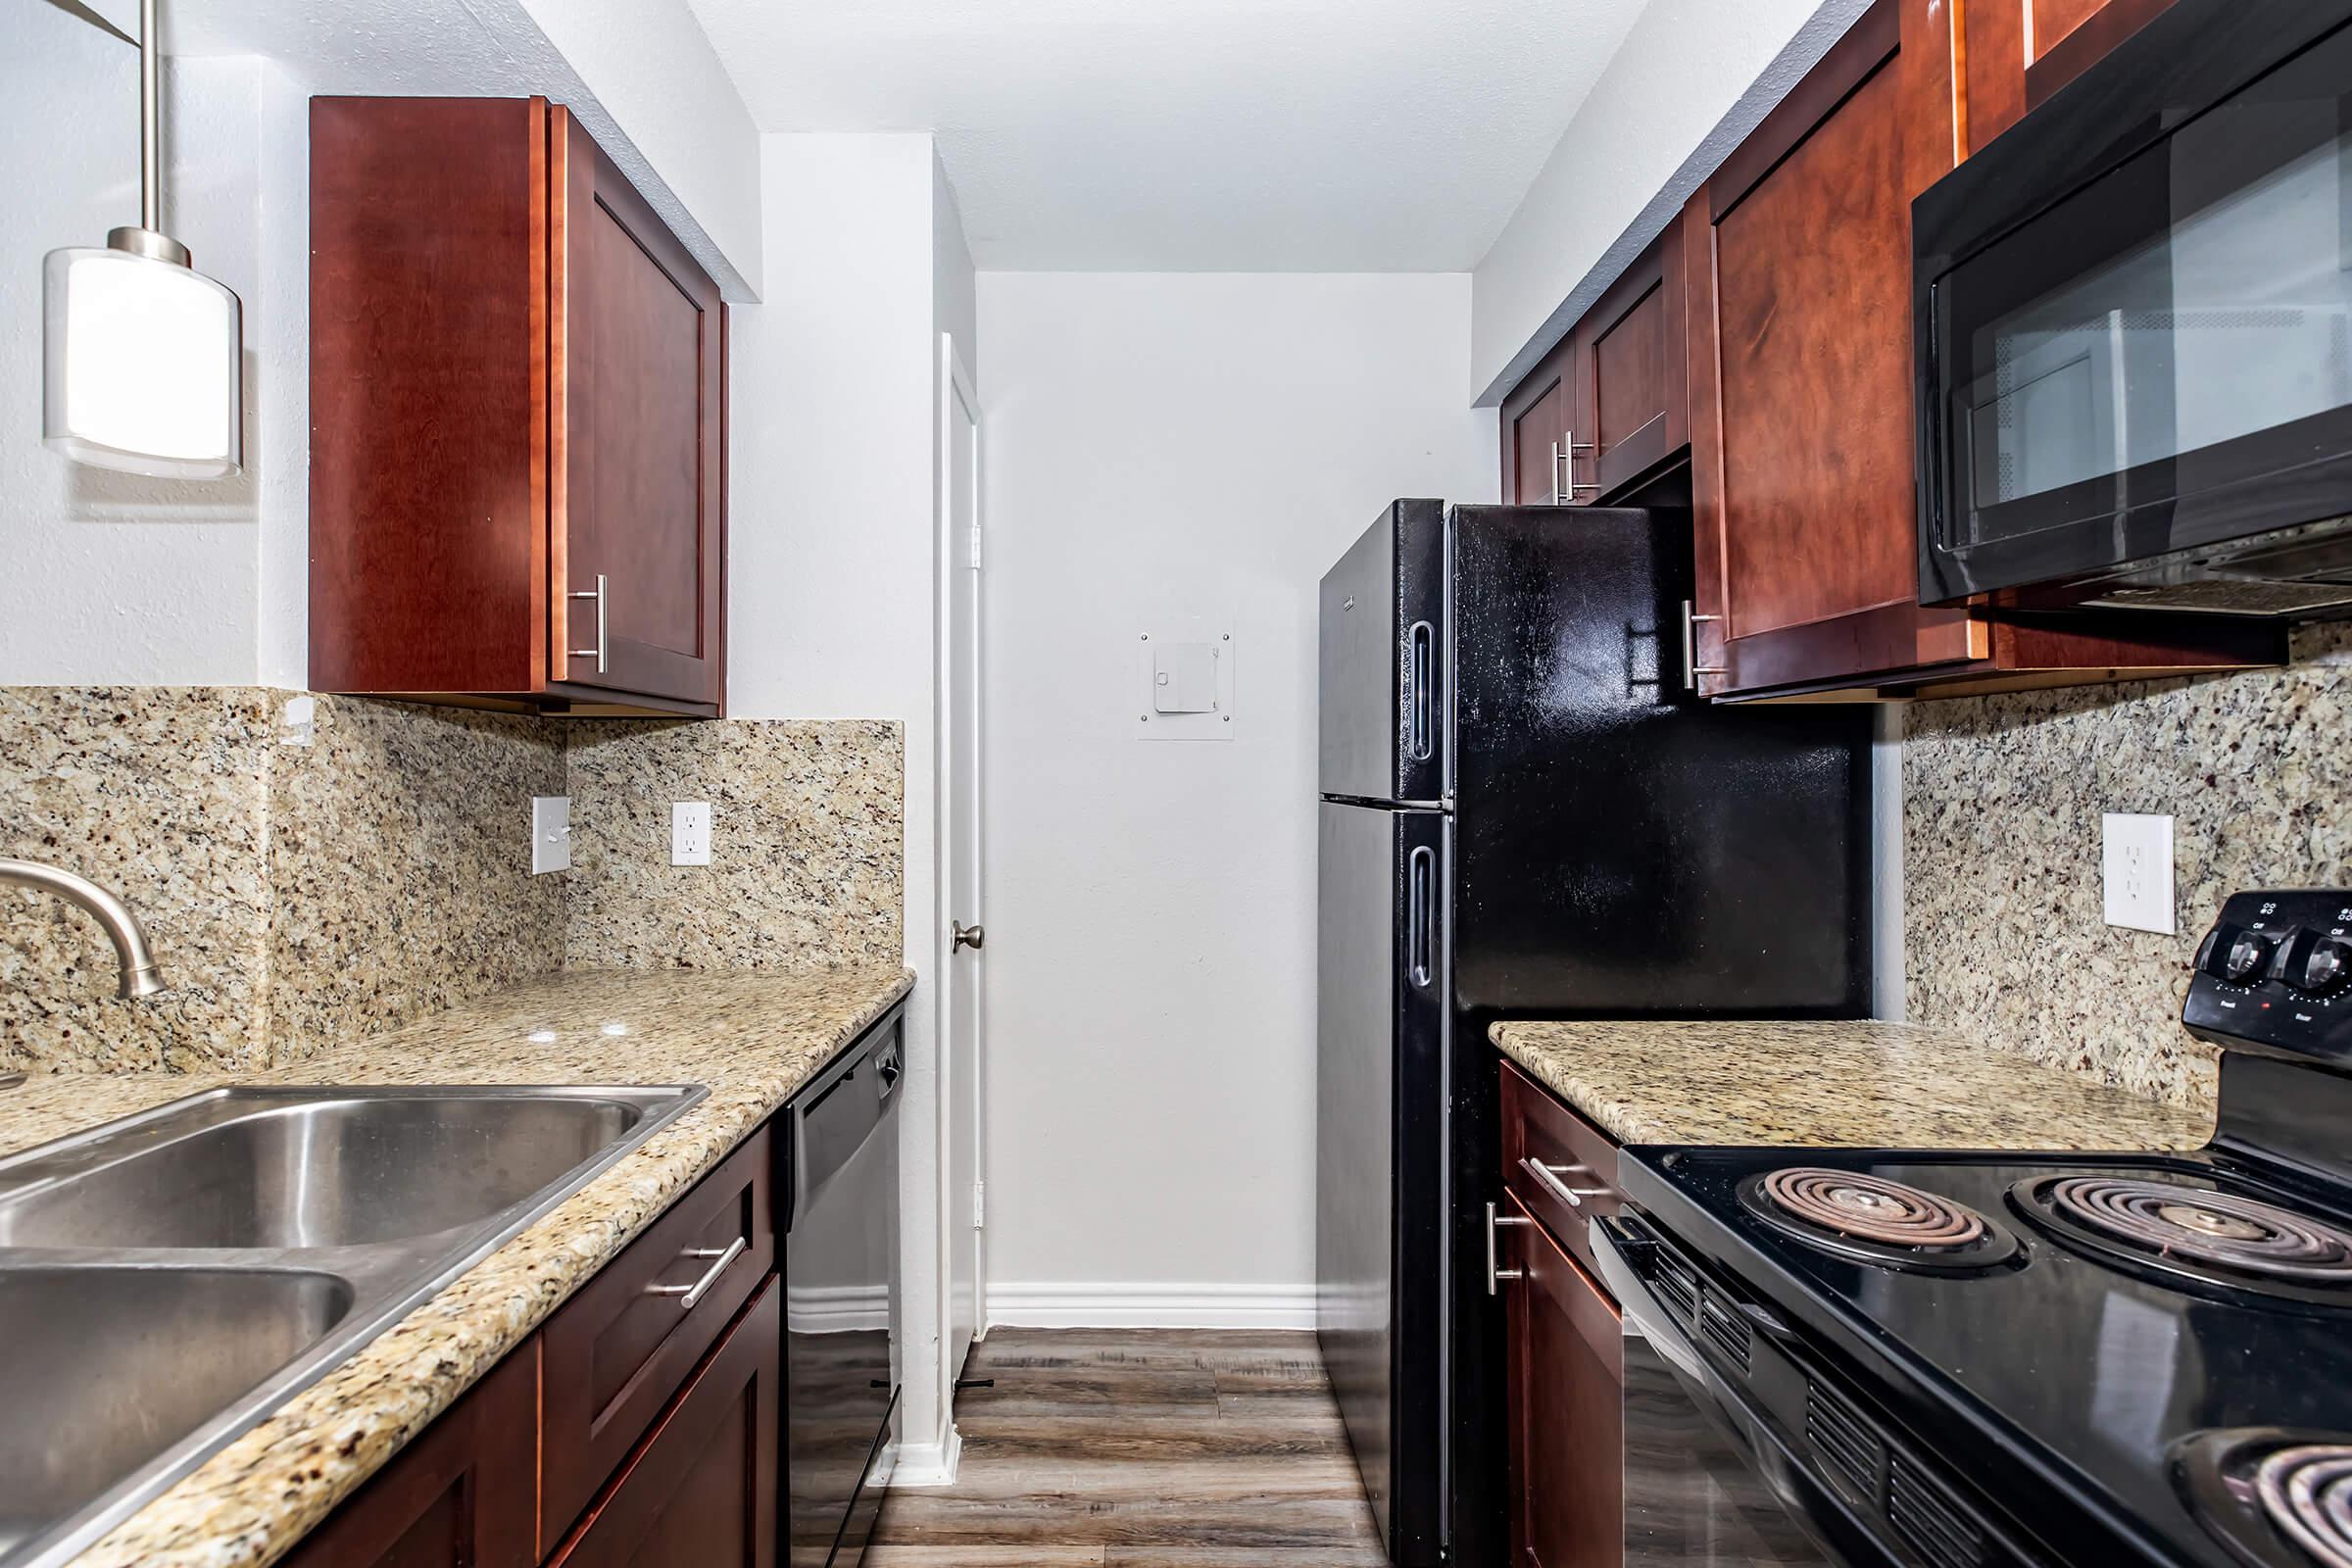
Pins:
<point x="1644" y="1315"/>
<point x="1827" y="1520"/>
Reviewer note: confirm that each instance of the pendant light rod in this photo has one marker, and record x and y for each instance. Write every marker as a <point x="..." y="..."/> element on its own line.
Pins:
<point x="151" y="121"/>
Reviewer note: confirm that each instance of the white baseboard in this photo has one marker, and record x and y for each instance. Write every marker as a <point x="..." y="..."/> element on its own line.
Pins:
<point x="1060" y="1305"/>
<point x="927" y="1464"/>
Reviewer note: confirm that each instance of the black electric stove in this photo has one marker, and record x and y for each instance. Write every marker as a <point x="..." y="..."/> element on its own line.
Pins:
<point x="1996" y="1361"/>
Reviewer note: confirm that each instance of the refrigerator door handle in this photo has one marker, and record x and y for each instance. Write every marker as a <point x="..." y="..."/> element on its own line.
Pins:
<point x="1423" y="642"/>
<point x="1421" y="920"/>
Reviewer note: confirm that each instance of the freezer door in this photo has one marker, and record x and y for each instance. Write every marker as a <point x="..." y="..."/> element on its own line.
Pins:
<point x="1624" y="849"/>
<point x="1381" y="714"/>
<point x="1378" y="1150"/>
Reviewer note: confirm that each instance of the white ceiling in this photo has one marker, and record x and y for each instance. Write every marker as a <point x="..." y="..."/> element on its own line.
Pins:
<point x="1195" y="135"/>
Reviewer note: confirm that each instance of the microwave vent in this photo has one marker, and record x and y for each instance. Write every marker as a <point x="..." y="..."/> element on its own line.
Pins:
<point x="2227" y="597"/>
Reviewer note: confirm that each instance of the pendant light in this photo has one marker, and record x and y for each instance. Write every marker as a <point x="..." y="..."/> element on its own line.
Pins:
<point x="141" y="354"/>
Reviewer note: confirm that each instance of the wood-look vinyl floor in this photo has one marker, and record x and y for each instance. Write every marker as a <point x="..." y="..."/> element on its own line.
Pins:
<point x="1133" y="1448"/>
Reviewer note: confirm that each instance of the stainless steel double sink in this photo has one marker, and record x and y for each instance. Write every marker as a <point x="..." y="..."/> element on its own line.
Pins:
<point x="169" y="1279"/>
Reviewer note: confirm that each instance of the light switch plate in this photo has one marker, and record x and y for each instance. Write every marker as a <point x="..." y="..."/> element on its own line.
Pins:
<point x="2135" y="859"/>
<point x="551" y="833"/>
<point x="690" y="833"/>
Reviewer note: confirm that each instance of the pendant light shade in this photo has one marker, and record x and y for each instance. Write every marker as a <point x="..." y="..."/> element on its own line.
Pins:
<point x="141" y="363"/>
<point x="141" y="354"/>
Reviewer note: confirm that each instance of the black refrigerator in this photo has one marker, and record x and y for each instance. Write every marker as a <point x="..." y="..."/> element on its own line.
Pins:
<point x="1524" y="813"/>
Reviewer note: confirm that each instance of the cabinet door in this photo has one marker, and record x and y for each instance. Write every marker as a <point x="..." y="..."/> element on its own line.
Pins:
<point x="459" y="1496"/>
<point x="701" y="1489"/>
<point x="2019" y="52"/>
<point x="1800" y="376"/>
<point x="624" y="1344"/>
<point x="1633" y="406"/>
<point x="637" y="442"/>
<point x="1566" y="1387"/>
<point x="1534" y="430"/>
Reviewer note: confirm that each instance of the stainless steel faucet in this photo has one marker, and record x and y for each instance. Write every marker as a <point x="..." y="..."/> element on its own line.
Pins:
<point x="140" y="977"/>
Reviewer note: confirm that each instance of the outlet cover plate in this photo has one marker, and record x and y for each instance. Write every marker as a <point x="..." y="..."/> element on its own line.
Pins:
<point x="551" y="833"/>
<point x="690" y="833"/>
<point x="2135" y="859"/>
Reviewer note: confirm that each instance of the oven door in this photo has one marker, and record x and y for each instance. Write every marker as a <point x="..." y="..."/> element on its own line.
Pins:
<point x="1710" y="1480"/>
<point x="2131" y="354"/>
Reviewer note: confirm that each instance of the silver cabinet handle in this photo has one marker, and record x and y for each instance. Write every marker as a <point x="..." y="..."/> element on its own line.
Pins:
<point x="1563" y="469"/>
<point x="1691" y="666"/>
<point x="691" y="1296"/>
<point x="598" y="652"/>
<point x="1548" y="1177"/>
<point x="1496" y="1222"/>
<point x="973" y="937"/>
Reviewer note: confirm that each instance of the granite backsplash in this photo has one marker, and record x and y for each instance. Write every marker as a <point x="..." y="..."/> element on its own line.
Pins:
<point x="2002" y="798"/>
<point x="312" y="867"/>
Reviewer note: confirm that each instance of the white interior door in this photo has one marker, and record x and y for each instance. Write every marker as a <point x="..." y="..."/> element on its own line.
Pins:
<point x="962" y="1054"/>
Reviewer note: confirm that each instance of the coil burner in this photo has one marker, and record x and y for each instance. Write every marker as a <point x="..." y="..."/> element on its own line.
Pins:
<point x="2196" y="1234"/>
<point x="2278" y="1498"/>
<point x="1871" y="1219"/>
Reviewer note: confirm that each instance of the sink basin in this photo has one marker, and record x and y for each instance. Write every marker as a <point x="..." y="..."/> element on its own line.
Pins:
<point x="258" y="1170"/>
<point x="169" y="1279"/>
<point x="179" y="1345"/>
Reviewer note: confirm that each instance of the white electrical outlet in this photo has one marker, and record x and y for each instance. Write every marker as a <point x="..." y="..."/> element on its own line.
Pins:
<point x="690" y="833"/>
<point x="551" y="833"/>
<point x="2135" y="859"/>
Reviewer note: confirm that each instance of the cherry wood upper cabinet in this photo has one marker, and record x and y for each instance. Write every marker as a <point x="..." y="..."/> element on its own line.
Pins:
<point x="1798" y="308"/>
<point x="517" y="443"/>
<point x="1611" y="403"/>
<point x="2018" y="52"/>
<point x="1537" y="418"/>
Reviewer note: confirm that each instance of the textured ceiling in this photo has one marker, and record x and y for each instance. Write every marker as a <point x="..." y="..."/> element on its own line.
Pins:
<point x="1192" y="135"/>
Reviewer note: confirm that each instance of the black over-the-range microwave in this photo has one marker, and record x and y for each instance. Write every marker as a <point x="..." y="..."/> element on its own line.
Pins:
<point x="2134" y="329"/>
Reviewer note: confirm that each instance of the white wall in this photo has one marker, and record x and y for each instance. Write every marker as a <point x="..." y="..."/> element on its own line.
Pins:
<point x="666" y="109"/>
<point x="114" y="577"/>
<point x="1690" y="81"/>
<point x="1160" y="446"/>
<point x="832" y="492"/>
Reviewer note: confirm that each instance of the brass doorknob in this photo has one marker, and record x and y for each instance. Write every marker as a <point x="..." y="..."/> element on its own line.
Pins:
<point x="967" y="936"/>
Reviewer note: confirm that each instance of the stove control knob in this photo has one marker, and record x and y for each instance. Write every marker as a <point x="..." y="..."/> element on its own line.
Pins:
<point x="2246" y="958"/>
<point x="2326" y="967"/>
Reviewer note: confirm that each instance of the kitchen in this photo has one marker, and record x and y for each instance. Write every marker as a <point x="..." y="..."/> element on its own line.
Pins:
<point x="610" y="965"/>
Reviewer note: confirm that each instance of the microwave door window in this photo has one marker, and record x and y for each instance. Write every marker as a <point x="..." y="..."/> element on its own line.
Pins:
<point x="2181" y="325"/>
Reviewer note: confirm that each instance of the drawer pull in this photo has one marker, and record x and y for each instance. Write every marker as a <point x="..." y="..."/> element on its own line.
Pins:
<point x="1495" y="1223"/>
<point x="1548" y="1177"/>
<point x="691" y="1296"/>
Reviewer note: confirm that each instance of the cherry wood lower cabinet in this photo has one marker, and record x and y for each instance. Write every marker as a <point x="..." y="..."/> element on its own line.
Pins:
<point x="641" y="1425"/>
<point x="1566" y="1385"/>
<point x="700" y="1490"/>
<point x="462" y="1495"/>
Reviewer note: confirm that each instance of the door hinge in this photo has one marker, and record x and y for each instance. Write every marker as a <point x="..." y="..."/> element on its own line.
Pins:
<point x="975" y="547"/>
<point x="979" y="1204"/>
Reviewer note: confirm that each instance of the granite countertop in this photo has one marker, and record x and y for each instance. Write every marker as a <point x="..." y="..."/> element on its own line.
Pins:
<point x="753" y="1038"/>
<point x="1858" y="1083"/>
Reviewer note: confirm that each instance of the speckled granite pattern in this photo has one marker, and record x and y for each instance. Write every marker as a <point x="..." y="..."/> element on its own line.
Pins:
<point x="753" y="1039"/>
<point x="805" y="829"/>
<point x="158" y="794"/>
<point x="1827" y="1085"/>
<point x="298" y="885"/>
<point x="400" y="866"/>
<point x="2002" y="796"/>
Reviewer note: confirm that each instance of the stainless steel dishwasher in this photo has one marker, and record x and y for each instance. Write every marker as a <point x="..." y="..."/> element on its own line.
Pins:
<point x="841" y="1269"/>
